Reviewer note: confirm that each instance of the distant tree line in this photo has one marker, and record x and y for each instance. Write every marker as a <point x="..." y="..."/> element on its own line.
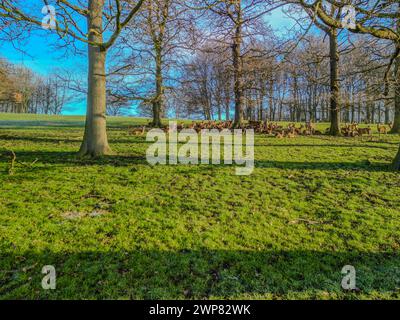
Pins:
<point x="222" y="61"/>
<point x="290" y="85"/>
<point x="24" y="91"/>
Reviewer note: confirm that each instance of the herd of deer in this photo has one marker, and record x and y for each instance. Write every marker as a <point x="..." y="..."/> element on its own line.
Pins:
<point x="269" y="128"/>
<point x="352" y="130"/>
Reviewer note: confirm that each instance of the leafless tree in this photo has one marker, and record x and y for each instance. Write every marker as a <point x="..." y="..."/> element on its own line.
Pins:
<point x="101" y="21"/>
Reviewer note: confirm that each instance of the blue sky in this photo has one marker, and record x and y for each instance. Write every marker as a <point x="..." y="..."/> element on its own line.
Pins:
<point x="39" y="54"/>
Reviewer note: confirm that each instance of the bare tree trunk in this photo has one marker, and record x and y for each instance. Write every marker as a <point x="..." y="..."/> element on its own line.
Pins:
<point x="271" y="99"/>
<point x="373" y="113"/>
<point x="261" y="103"/>
<point x="334" y="76"/>
<point x="219" y="109"/>
<point x="237" y="67"/>
<point x="95" y="142"/>
<point x="387" y="112"/>
<point x="227" y="110"/>
<point x="396" y="121"/>
<point x="368" y="112"/>
<point x="280" y="111"/>
<point x="353" y="107"/>
<point x="227" y="96"/>
<point x="158" y="101"/>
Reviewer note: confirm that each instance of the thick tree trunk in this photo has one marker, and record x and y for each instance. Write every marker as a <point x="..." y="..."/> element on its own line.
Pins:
<point x="218" y="100"/>
<point x="260" y="106"/>
<point x="237" y="67"/>
<point x="295" y="106"/>
<point x="368" y="112"/>
<point x="334" y="77"/>
<point x="227" y="109"/>
<point x="387" y="112"/>
<point x="271" y="99"/>
<point x="396" y="121"/>
<point x="396" y="124"/>
<point x="227" y="97"/>
<point x="353" y="106"/>
<point x="95" y="141"/>
<point x="158" y="101"/>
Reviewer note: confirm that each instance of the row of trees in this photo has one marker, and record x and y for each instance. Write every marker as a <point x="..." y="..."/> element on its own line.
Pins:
<point x="380" y="20"/>
<point x="294" y="80"/>
<point x="293" y="88"/>
<point x="267" y="78"/>
<point x="23" y="91"/>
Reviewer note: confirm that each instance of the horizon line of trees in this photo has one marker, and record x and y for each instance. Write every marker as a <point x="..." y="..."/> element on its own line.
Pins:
<point x="24" y="91"/>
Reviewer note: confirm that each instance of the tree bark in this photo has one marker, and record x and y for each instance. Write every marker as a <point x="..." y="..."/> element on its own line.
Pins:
<point x="334" y="79"/>
<point x="158" y="100"/>
<point x="387" y="112"/>
<point x="271" y="99"/>
<point x="227" y="95"/>
<point x="396" y="121"/>
<point x="237" y="67"/>
<point x="95" y="142"/>
<point x="353" y="106"/>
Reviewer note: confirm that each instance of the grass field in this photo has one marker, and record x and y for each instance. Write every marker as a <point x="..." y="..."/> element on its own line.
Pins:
<point x="117" y="228"/>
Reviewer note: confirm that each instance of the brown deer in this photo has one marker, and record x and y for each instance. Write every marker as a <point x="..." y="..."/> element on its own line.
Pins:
<point x="362" y="131"/>
<point x="279" y="135"/>
<point x="381" y="129"/>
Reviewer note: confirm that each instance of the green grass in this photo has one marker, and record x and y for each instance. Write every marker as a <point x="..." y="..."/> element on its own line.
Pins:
<point x="118" y="228"/>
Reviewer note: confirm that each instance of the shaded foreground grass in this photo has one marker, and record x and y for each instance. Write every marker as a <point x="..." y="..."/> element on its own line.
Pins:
<point x="116" y="227"/>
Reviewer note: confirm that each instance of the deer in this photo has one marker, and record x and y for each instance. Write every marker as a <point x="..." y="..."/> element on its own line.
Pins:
<point x="290" y="135"/>
<point x="362" y="131"/>
<point x="279" y="135"/>
<point x="381" y="129"/>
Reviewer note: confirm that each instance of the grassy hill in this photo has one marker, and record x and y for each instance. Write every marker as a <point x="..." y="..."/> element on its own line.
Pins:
<point x="117" y="227"/>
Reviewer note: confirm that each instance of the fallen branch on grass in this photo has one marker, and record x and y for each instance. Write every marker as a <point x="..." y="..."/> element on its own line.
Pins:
<point x="29" y="164"/>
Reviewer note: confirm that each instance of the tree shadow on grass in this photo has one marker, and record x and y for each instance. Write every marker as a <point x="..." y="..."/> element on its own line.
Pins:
<point x="56" y="141"/>
<point x="73" y="124"/>
<point x="72" y="159"/>
<point x="31" y="158"/>
<point x="198" y="274"/>
<point x="59" y="140"/>
<point x="24" y="124"/>
<point x="313" y="165"/>
<point x="296" y="145"/>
